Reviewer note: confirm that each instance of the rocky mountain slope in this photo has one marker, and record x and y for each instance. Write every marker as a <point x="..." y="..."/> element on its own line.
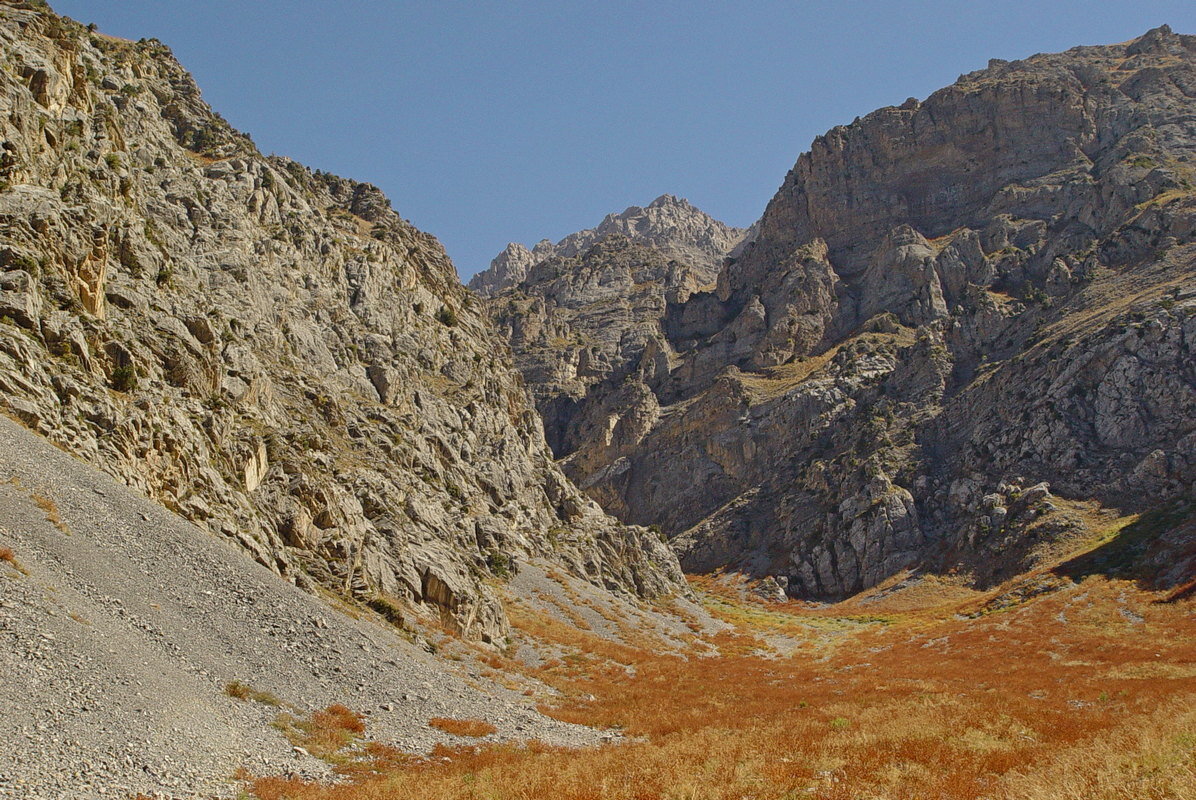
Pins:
<point x="122" y="628"/>
<point x="269" y="351"/>
<point x="582" y="313"/>
<point x="959" y="323"/>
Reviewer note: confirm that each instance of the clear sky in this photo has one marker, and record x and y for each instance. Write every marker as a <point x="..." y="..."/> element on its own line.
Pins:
<point x="487" y="122"/>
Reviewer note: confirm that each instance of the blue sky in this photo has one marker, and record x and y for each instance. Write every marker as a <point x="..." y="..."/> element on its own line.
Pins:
<point x="488" y="122"/>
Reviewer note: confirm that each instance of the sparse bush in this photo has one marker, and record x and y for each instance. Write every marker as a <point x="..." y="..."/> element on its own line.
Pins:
<point x="499" y="564"/>
<point x="389" y="609"/>
<point x="203" y="140"/>
<point x="124" y="378"/>
<point x="446" y="316"/>
<point x="22" y="261"/>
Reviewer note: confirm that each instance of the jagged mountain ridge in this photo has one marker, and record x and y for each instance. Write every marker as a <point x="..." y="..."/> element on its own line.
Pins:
<point x="269" y="351"/>
<point x="958" y="321"/>
<point x="669" y="223"/>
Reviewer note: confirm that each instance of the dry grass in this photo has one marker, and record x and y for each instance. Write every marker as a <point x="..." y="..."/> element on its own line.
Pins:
<point x="1153" y="758"/>
<point x="9" y="557"/>
<point x="1012" y="704"/>
<point x="921" y="688"/>
<point x="243" y="691"/>
<point x="474" y="728"/>
<point x="50" y="509"/>
<point x="772" y="382"/>
<point x="329" y="734"/>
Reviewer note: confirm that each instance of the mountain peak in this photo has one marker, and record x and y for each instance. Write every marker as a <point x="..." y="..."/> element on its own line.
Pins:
<point x="670" y="223"/>
<point x="667" y="200"/>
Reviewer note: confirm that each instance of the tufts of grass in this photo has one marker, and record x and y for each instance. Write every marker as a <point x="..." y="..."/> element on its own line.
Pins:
<point x="329" y="734"/>
<point x="243" y="691"/>
<point x="50" y="509"/>
<point x="9" y="557"/>
<point x="474" y="728"/>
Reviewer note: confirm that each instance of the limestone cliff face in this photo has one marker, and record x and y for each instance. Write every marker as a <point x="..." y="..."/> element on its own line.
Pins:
<point x="955" y="317"/>
<point x="669" y="224"/>
<point x="267" y="350"/>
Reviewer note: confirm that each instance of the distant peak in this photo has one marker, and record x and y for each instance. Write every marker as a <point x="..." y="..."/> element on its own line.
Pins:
<point x="1157" y="40"/>
<point x="668" y="200"/>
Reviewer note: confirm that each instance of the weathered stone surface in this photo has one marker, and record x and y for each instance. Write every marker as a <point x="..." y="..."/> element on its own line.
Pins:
<point x="267" y="350"/>
<point x="947" y="306"/>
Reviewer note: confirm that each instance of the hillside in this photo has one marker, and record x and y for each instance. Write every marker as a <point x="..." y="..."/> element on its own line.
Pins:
<point x="269" y="351"/>
<point x="125" y="630"/>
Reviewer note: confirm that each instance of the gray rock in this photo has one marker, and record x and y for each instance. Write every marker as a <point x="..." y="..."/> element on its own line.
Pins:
<point x="270" y="351"/>
<point x="986" y="287"/>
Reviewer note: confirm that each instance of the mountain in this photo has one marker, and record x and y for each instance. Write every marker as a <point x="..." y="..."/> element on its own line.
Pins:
<point x="668" y="223"/>
<point x="269" y="351"/>
<point x="960" y="325"/>
<point x="582" y="313"/>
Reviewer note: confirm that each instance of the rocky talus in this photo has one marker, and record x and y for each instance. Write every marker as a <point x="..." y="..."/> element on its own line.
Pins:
<point x="269" y="351"/>
<point x="959" y="323"/>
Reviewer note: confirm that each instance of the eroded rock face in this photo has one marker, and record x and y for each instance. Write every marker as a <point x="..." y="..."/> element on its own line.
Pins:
<point x="267" y="350"/>
<point x="955" y="317"/>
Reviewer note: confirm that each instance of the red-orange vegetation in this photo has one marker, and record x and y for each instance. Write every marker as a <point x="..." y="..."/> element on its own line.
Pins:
<point x="462" y="727"/>
<point x="1087" y="690"/>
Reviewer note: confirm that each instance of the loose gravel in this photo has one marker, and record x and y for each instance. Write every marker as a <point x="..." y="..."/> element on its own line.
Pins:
<point x="116" y="647"/>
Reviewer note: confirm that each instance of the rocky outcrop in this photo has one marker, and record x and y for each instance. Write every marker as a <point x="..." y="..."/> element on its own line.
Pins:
<point x="269" y="351"/>
<point x="950" y="306"/>
<point x="669" y="224"/>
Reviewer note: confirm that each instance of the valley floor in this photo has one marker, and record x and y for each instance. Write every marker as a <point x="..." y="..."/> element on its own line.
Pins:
<point x="1074" y="681"/>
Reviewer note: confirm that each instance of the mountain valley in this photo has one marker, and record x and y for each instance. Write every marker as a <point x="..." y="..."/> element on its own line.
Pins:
<point x="888" y="495"/>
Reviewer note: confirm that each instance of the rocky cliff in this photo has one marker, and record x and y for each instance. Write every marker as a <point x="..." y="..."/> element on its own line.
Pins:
<point x="269" y="351"/>
<point x="959" y="322"/>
